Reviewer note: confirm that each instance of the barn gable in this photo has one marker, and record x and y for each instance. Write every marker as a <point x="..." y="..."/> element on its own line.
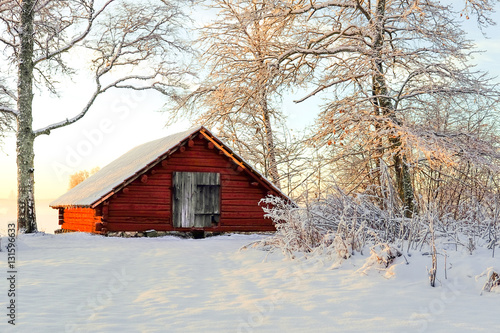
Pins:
<point x="185" y="181"/>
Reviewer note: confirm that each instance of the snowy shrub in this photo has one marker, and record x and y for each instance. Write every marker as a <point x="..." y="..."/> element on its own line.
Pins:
<point x="335" y="224"/>
<point x="349" y="238"/>
<point x="295" y="230"/>
<point x="340" y="225"/>
<point x="492" y="280"/>
<point x="342" y="243"/>
<point x="382" y="257"/>
<point x="384" y="254"/>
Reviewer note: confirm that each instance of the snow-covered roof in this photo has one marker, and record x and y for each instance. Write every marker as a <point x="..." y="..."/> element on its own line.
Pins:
<point x="132" y="164"/>
<point x="117" y="172"/>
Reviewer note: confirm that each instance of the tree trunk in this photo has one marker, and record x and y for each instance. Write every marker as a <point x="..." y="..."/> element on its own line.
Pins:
<point x="271" y="149"/>
<point x="402" y="171"/>
<point x="262" y="101"/>
<point x="26" y="220"/>
<point x="403" y="180"/>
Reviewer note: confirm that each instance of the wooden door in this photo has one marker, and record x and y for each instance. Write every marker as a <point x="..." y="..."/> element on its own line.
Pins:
<point x="196" y="199"/>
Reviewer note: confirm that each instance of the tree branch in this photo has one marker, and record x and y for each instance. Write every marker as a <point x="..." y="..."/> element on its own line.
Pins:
<point x="325" y="86"/>
<point x="315" y="7"/>
<point x="336" y="50"/>
<point x="7" y="110"/>
<point x="46" y="130"/>
<point x="75" y="40"/>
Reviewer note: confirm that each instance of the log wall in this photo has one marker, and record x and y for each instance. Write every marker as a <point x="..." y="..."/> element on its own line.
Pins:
<point x="79" y="219"/>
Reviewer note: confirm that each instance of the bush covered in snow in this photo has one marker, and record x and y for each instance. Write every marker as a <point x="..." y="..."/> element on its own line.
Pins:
<point x="343" y="224"/>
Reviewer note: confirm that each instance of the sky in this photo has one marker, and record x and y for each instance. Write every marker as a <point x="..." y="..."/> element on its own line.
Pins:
<point x="121" y="120"/>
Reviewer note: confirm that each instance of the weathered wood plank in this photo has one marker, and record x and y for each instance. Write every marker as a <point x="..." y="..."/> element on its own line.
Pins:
<point x="241" y="202"/>
<point x="196" y="198"/>
<point x="189" y="168"/>
<point x="246" y="222"/>
<point x="137" y="206"/>
<point x="228" y="194"/>
<point x="244" y="209"/>
<point x="120" y="226"/>
<point x="182" y="211"/>
<point x="244" y="215"/>
<point x="138" y="213"/>
<point x="204" y="162"/>
<point x="248" y="228"/>
<point x="145" y="189"/>
<point x="140" y="220"/>
<point x="239" y="184"/>
<point x="142" y="200"/>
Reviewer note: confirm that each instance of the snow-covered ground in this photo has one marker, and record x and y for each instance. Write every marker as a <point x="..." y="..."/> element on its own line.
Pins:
<point x="84" y="283"/>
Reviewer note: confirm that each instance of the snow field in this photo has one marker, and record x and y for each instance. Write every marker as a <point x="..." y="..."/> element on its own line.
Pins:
<point x="84" y="283"/>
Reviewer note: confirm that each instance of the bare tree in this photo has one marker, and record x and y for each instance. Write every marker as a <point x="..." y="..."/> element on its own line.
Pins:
<point x="129" y="44"/>
<point x="386" y="66"/>
<point x="238" y="96"/>
<point x="80" y="176"/>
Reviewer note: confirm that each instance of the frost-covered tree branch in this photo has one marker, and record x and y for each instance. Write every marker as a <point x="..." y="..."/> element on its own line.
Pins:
<point x="10" y="111"/>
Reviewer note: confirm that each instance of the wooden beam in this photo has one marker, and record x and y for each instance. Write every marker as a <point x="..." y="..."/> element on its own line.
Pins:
<point x="61" y="216"/>
<point x="224" y="151"/>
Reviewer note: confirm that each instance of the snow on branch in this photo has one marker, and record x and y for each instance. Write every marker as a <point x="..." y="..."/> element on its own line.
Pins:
<point x="326" y="86"/>
<point x="322" y="51"/>
<point x="46" y="130"/>
<point x="10" y="111"/>
<point x="314" y="6"/>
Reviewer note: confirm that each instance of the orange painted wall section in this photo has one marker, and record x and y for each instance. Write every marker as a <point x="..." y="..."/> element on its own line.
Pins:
<point x="80" y="219"/>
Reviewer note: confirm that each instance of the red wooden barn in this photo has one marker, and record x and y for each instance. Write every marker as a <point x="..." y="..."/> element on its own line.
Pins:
<point x="184" y="182"/>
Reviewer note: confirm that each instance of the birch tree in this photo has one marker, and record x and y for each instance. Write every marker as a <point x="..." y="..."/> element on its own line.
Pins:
<point x="240" y="91"/>
<point x="385" y="66"/>
<point x="130" y="45"/>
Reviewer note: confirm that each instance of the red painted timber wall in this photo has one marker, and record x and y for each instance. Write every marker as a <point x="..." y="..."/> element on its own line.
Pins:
<point x="79" y="219"/>
<point x="147" y="204"/>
